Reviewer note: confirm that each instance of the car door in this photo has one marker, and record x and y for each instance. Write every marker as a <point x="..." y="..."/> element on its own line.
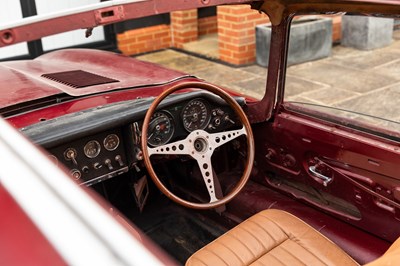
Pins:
<point x="333" y="140"/>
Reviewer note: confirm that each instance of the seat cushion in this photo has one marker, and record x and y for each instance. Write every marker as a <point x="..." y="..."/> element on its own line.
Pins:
<point x="271" y="237"/>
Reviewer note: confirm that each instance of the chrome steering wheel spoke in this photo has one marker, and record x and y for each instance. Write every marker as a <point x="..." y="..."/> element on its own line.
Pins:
<point x="179" y="147"/>
<point x="200" y="145"/>
<point x="220" y="138"/>
<point x="208" y="176"/>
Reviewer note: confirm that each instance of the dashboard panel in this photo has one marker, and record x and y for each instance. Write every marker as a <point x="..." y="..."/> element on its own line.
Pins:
<point x="107" y="142"/>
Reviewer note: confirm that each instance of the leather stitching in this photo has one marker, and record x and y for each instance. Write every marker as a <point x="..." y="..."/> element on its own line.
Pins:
<point x="262" y="228"/>
<point x="233" y="236"/>
<point x="233" y="252"/>
<point x="293" y="255"/>
<point x="218" y="256"/>
<point x="254" y="237"/>
<point x="276" y="258"/>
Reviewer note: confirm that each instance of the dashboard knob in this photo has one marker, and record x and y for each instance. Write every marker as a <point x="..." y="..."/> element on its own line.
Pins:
<point x="97" y="165"/>
<point x="85" y="169"/>
<point x="70" y="155"/>
<point x="118" y="158"/>
<point x="76" y="174"/>
<point x="108" y="163"/>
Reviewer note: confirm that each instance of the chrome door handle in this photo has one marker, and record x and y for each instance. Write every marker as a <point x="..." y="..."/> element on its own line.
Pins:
<point x="325" y="179"/>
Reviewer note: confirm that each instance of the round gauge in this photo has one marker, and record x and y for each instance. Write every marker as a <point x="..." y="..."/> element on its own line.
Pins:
<point x="111" y="142"/>
<point x="195" y="115"/>
<point x="92" y="149"/>
<point x="161" y="129"/>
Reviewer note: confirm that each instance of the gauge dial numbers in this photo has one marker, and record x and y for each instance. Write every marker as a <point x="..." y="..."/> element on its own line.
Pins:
<point x="161" y="129"/>
<point x="92" y="149"/>
<point x="111" y="142"/>
<point x="195" y="115"/>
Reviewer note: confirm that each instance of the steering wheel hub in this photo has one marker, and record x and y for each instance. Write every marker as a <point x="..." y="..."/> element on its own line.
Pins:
<point x="200" y="145"/>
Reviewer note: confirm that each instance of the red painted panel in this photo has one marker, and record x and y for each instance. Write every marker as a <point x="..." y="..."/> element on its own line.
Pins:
<point x="21" y="243"/>
<point x="22" y="81"/>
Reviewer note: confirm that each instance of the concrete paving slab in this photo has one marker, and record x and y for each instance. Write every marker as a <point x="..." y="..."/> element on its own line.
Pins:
<point x="329" y="96"/>
<point x="348" y="78"/>
<point x="221" y="74"/>
<point x="392" y="69"/>
<point x="295" y="86"/>
<point x="256" y="70"/>
<point x="302" y="99"/>
<point x="339" y="50"/>
<point x="365" y="59"/>
<point x="206" y="45"/>
<point x="160" y="56"/>
<point x="254" y="87"/>
<point x="378" y="103"/>
<point x="188" y="64"/>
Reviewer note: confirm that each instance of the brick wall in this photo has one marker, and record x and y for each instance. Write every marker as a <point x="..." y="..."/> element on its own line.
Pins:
<point x="184" y="27"/>
<point x="207" y="25"/>
<point x="236" y="37"/>
<point x="144" y="39"/>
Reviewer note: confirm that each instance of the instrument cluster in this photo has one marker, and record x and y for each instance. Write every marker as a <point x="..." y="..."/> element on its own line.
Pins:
<point x="95" y="158"/>
<point x="168" y="124"/>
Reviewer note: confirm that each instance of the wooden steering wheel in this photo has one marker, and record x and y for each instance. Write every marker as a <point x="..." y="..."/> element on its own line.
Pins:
<point x="200" y="145"/>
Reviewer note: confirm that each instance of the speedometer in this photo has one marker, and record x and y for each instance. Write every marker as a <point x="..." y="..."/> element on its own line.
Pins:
<point x="195" y="115"/>
<point x="161" y="129"/>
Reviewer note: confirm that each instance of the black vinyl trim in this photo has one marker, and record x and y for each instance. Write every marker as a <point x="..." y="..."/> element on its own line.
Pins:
<point x="143" y="22"/>
<point x="69" y="127"/>
<point x="204" y="12"/>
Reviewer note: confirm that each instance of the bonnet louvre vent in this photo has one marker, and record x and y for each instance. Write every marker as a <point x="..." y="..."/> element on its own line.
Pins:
<point x="78" y="78"/>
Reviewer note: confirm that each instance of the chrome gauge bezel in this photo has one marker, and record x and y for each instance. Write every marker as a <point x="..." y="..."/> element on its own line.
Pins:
<point x="204" y="106"/>
<point x="109" y="137"/>
<point x="170" y="120"/>
<point x="87" y="147"/>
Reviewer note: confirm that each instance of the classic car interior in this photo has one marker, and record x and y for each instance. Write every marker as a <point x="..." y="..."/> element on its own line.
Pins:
<point x="185" y="162"/>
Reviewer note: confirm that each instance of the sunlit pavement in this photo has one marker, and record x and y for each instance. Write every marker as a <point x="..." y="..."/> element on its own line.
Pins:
<point x="349" y="79"/>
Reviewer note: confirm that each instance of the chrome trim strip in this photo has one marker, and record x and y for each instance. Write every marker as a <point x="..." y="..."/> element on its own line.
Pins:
<point x="105" y="177"/>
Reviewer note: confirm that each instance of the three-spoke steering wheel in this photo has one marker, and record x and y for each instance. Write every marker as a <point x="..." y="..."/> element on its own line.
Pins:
<point x="200" y="145"/>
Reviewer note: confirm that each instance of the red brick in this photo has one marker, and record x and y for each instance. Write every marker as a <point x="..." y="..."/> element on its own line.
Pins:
<point x="233" y="18"/>
<point x="254" y="16"/>
<point x="161" y="34"/>
<point x="225" y="52"/>
<point x="145" y="37"/>
<point x="224" y="39"/>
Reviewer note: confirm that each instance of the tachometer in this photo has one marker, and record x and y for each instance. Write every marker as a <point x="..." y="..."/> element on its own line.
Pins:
<point x="161" y="129"/>
<point x="195" y="115"/>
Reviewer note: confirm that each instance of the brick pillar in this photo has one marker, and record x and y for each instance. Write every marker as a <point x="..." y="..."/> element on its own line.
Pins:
<point x="236" y="33"/>
<point x="183" y="27"/>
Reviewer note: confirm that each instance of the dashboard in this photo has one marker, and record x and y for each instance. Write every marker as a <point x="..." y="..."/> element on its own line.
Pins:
<point x="104" y="142"/>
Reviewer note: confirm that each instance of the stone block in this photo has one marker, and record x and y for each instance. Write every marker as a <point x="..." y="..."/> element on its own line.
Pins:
<point x="310" y="39"/>
<point x="366" y="33"/>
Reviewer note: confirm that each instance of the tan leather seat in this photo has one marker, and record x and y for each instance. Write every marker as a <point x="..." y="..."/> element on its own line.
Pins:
<point x="271" y="237"/>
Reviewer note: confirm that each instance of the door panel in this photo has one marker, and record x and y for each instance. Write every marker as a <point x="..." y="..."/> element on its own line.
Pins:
<point x="341" y="171"/>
